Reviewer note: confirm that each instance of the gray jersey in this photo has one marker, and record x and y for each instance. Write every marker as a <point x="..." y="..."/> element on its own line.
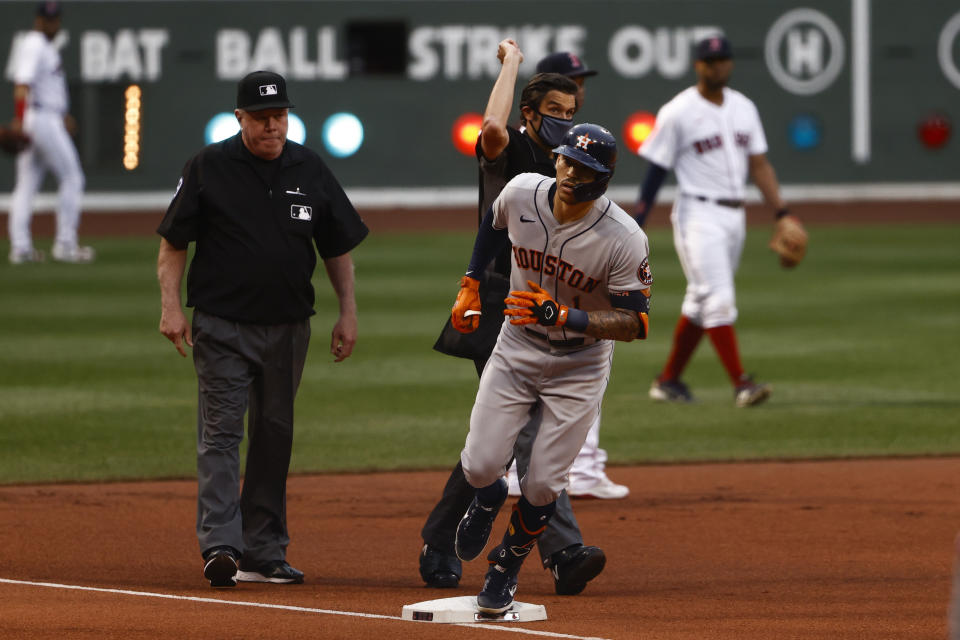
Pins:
<point x="581" y="263"/>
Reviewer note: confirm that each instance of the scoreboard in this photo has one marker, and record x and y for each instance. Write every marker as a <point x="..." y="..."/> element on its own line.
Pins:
<point x="390" y="91"/>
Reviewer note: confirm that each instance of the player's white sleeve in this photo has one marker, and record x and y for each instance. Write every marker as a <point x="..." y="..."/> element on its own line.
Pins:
<point x="758" y="140"/>
<point x="660" y="147"/>
<point x="27" y="60"/>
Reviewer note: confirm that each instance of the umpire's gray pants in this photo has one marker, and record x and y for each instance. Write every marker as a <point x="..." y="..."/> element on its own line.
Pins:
<point x="239" y="366"/>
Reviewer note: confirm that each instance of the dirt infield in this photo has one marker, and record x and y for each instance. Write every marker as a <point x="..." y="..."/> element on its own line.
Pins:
<point x="831" y="549"/>
<point x="834" y="549"/>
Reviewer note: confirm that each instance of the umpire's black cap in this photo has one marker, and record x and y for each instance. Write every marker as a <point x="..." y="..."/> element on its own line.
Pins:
<point x="714" y="48"/>
<point x="48" y="9"/>
<point x="262" y="90"/>
<point x="565" y="63"/>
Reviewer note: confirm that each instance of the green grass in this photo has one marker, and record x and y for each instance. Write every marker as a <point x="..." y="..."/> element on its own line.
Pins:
<point x="860" y="344"/>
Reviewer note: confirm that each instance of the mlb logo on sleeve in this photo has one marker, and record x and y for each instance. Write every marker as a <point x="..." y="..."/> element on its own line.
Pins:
<point x="268" y="89"/>
<point x="301" y="212"/>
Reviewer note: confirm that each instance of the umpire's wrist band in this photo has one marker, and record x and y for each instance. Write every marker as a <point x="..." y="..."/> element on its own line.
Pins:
<point x="781" y="213"/>
<point x="577" y="319"/>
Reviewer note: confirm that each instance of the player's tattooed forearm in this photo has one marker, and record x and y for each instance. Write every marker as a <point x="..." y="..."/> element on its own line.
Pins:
<point x="614" y="324"/>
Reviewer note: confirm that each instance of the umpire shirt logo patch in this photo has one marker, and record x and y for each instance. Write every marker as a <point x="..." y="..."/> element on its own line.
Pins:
<point x="268" y="89"/>
<point x="301" y="212"/>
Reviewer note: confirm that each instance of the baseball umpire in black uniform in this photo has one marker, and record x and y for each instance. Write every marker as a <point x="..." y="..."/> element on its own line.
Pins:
<point x="256" y="205"/>
<point x="547" y="105"/>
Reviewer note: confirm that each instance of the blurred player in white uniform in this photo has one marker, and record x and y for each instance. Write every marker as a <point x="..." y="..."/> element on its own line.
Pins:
<point x="581" y="279"/>
<point x="40" y="111"/>
<point x="712" y="137"/>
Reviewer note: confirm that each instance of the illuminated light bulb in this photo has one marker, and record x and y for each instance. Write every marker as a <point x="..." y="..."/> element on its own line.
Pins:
<point x="637" y="128"/>
<point x="342" y="134"/>
<point x="465" y="131"/>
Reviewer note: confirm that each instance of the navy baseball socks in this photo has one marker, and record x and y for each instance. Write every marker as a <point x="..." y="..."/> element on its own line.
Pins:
<point x="474" y="528"/>
<point x="527" y="522"/>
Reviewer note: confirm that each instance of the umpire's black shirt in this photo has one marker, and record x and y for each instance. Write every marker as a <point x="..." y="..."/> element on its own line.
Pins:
<point x="255" y="224"/>
<point x="521" y="155"/>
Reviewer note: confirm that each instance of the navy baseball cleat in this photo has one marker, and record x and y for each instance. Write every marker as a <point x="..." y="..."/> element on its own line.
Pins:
<point x="440" y="569"/>
<point x="474" y="528"/>
<point x="276" y="572"/>
<point x="574" y="567"/>
<point x="220" y="567"/>
<point x="670" y="391"/>
<point x="499" y="586"/>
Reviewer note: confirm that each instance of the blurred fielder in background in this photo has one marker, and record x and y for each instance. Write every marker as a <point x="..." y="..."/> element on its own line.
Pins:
<point x="40" y="112"/>
<point x="712" y="136"/>
<point x="570" y="65"/>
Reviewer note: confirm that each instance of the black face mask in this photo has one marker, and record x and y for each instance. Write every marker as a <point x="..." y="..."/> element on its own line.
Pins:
<point x="552" y="129"/>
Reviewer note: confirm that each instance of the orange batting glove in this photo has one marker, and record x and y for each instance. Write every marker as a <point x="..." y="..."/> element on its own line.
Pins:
<point x="465" y="316"/>
<point x="535" y="307"/>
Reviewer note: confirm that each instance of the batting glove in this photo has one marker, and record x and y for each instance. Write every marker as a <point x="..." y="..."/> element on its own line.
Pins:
<point x="536" y="307"/>
<point x="465" y="316"/>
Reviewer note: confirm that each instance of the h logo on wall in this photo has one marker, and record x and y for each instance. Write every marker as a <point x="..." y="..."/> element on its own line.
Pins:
<point x="946" y="45"/>
<point x="804" y="51"/>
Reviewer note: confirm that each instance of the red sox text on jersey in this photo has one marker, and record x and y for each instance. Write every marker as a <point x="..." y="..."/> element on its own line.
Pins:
<point x="742" y="139"/>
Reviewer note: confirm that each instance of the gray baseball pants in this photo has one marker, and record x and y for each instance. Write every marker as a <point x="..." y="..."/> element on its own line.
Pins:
<point x="522" y="372"/>
<point x="245" y="367"/>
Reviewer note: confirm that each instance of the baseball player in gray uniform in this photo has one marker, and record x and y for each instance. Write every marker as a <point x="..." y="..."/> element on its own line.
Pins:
<point x="712" y="137"/>
<point x="40" y="111"/>
<point x="580" y="279"/>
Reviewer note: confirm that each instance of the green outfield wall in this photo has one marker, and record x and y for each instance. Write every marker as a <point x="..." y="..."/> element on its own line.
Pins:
<point x="843" y="86"/>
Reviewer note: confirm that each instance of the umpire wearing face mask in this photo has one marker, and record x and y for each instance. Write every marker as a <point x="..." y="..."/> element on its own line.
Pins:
<point x="550" y="130"/>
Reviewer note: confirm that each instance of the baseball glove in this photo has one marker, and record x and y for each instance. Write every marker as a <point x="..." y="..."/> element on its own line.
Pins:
<point x="13" y="142"/>
<point x="789" y="241"/>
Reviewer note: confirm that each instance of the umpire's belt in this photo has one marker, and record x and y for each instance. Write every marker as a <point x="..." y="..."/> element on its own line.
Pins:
<point x="723" y="202"/>
<point x="572" y="342"/>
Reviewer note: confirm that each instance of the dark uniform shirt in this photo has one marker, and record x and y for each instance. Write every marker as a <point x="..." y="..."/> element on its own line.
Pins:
<point x="521" y="155"/>
<point x="255" y="235"/>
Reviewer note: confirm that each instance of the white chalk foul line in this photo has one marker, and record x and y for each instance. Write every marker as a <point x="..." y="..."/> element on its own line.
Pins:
<point x="284" y="607"/>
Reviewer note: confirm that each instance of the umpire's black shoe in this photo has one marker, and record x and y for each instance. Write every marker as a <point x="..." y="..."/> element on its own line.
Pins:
<point x="277" y="572"/>
<point x="440" y="569"/>
<point x="574" y="567"/>
<point x="499" y="585"/>
<point x="220" y="566"/>
<point x="474" y="528"/>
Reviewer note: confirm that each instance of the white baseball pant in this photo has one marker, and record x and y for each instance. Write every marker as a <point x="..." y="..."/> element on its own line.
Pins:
<point x="50" y="148"/>
<point x="709" y="240"/>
